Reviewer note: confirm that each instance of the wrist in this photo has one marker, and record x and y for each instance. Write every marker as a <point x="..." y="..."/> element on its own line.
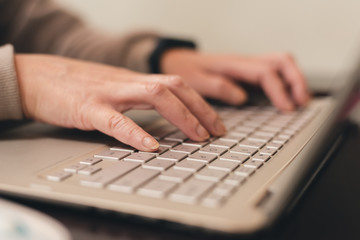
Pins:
<point x="166" y="45"/>
<point x="174" y="58"/>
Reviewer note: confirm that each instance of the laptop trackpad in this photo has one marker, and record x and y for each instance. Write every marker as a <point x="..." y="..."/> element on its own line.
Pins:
<point x="34" y="146"/>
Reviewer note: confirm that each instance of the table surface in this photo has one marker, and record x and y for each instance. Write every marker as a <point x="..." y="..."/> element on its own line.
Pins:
<point x="328" y="210"/>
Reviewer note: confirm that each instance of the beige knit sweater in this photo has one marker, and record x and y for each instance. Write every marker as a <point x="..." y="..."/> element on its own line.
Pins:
<point x="41" y="26"/>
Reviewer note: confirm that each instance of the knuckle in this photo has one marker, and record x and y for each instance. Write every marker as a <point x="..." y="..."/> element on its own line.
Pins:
<point x="265" y="74"/>
<point x="119" y="123"/>
<point x="218" y="86"/>
<point x="266" y="70"/>
<point x="81" y="117"/>
<point x="175" y="81"/>
<point x="116" y="122"/>
<point x="84" y="122"/>
<point x="286" y="57"/>
<point x="131" y="131"/>
<point x="155" y="88"/>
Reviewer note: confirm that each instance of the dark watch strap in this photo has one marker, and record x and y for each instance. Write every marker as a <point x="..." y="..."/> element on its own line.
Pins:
<point x="163" y="45"/>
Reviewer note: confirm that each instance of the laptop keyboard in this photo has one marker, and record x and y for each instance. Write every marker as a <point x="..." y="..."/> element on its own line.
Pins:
<point x="205" y="173"/>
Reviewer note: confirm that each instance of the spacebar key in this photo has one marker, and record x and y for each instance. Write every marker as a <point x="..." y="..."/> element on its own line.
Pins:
<point x="100" y="179"/>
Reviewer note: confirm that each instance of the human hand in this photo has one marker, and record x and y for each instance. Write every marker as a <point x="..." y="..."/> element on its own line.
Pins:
<point x="215" y="76"/>
<point x="89" y="96"/>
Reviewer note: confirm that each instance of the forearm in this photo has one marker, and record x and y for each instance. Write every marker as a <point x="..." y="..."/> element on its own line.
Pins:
<point x="41" y="26"/>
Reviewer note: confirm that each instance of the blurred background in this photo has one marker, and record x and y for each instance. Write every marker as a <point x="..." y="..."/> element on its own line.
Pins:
<point x="323" y="35"/>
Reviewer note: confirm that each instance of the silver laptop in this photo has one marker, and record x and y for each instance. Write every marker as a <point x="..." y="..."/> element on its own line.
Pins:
<point x="237" y="183"/>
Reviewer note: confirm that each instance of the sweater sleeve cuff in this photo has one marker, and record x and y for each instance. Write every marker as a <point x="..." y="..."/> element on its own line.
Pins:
<point x="139" y="52"/>
<point x="10" y="103"/>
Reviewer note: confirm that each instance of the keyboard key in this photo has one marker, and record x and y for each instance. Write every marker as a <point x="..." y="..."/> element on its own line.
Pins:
<point x="213" y="150"/>
<point x="224" y="165"/>
<point x="91" y="161"/>
<point x="158" y="152"/>
<point x="89" y="170"/>
<point x="225" y="189"/>
<point x="289" y="132"/>
<point x="140" y="157"/>
<point x="262" y="116"/>
<point x="284" y="136"/>
<point x="244" y="171"/>
<point x="157" y="188"/>
<point x="251" y="144"/>
<point x="244" y="130"/>
<point x="260" y="157"/>
<point x="230" y="156"/>
<point x="168" y="143"/>
<point x="132" y="180"/>
<point x="294" y="127"/>
<point x="251" y="124"/>
<point x="123" y="147"/>
<point x="177" y="136"/>
<point x="234" y="179"/>
<point x="279" y="124"/>
<point x="184" y="148"/>
<point x="74" y="168"/>
<point x="191" y="191"/>
<point x="175" y="175"/>
<point x="158" y="164"/>
<point x="279" y="140"/>
<point x="273" y="145"/>
<point x="194" y="143"/>
<point x="259" y="138"/>
<point x="233" y="137"/>
<point x="112" y="155"/>
<point x="58" y="176"/>
<point x="173" y="156"/>
<point x="211" y="174"/>
<point x="212" y="200"/>
<point x="221" y="143"/>
<point x="205" y="157"/>
<point x="244" y="150"/>
<point x="259" y="118"/>
<point x="230" y="123"/>
<point x="270" y="129"/>
<point x="271" y="110"/>
<point x="189" y="165"/>
<point x="100" y="179"/>
<point x="267" y="151"/>
<point x="253" y="164"/>
<point x="161" y="131"/>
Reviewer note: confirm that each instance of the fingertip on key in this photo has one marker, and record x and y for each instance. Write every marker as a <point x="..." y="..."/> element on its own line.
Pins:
<point x="238" y="97"/>
<point x="202" y="133"/>
<point x="220" y="129"/>
<point x="150" y="143"/>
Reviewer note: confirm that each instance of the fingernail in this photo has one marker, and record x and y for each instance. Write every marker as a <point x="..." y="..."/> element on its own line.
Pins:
<point x="219" y="127"/>
<point x="151" y="143"/>
<point x="201" y="132"/>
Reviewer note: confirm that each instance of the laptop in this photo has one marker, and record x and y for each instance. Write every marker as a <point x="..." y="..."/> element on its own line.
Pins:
<point x="238" y="183"/>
